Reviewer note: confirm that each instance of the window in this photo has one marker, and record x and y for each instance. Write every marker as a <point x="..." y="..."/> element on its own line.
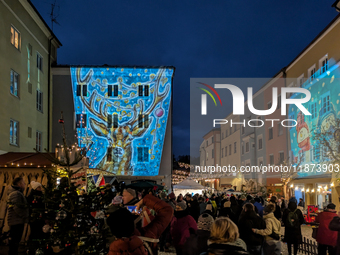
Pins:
<point x="82" y="90"/>
<point x="207" y="144"/>
<point x="311" y="73"/>
<point x="109" y="154"/>
<point x="112" y="90"/>
<point x="222" y="152"/>
<point x="212" y="139"/>
<point x="39" y="62"/>
<point x="234" y="147"/>
<point x="146" y="90"/>
<point x="231" y="130"/>
<point x="229" y="149"/>
<point x="280" y="129"/>
<point x="14" y="132"/>
<point x="242" y="148"/>
<point x="212" y="153"/>
<point x="281" y="157"/>
<point x="260" y="143"/>
<point x="300" y="81"/>
<point x="81" y="120"/>
<point x="143" y="154"/>
<point x="269" y="104"/>
<point x="279" y="102"/>
<point x="39" y="101"/>
<point x="270" y="133"/>
<point x="38" y="143"/>
<point x="222" y="135"/>
<point x="247" y="147"/>
<point x="143" y="120"/>
<point x="323" y="63"/>
<point x="225" y="152"/>
<point x="112" y="119"/>
<point x="325" y="103"/>
<point x="313" y="110"/>
<point x="15" y="37"/>
<point x="29" y="86"/>
<point x="242" y="129"/>
<point x="14" y="83"/>
<point x="271" y="159"/>
<point x="29" y="132"/>
<point x="226" y="133"/>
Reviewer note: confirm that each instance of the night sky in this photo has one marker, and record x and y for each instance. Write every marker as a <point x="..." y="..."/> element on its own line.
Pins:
<point x="220" y="38"/>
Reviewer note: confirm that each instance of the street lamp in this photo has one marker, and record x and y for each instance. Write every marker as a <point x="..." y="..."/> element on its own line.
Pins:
<point x="336" y="5"/>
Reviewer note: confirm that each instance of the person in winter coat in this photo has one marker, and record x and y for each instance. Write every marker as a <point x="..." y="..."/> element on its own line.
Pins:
<point x="325" y="237"/>
<point x="122" y="226"/>
<point x="193" y="207"/>
<point x="272" y="243"/>
<point x="235" y="210"/>
<point x="259" y="206"/>
<point x="18" y="213"/>
<point x="202" y="204"/>
<point x="334" y="225"/>
<point x="224" y="239"/>
<point x="130" y="197"/>
<point x="277" y="212"/>
<point x="198" y="243"/>
<point x="250" y="220"/>
<point x="182" y="226"/>
<point x="292" y="219"/>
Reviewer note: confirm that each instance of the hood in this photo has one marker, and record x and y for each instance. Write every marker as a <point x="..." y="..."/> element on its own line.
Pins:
<point x="181" y="214"/>
<point x="292" y="206"/>
<point x="13" y="188"/>
<point x="249" y="215"/>
<point x="238" y="243"/>
<point x="269" y="215"/>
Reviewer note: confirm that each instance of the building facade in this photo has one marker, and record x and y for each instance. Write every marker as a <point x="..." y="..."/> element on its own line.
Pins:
<point x="28" y="48"/>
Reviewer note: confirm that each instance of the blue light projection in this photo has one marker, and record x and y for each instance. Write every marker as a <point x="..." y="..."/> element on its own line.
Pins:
<point x="325" y="109"/>
<point x="121" y="116"/>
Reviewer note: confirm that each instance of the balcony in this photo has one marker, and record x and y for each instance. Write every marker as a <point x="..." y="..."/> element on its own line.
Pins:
<point x="315" y="76"/>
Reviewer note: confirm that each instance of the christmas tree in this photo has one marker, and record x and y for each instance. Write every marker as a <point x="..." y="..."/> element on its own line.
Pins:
<point x="72" y="223"/>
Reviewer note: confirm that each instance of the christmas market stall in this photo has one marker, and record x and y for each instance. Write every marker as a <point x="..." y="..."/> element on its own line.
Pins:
<point x="188" y="186"/>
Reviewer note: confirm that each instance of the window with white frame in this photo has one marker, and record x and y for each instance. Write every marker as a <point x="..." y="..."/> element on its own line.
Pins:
<point x="14" y="132"/>
<point x="323" y="64"/>
<point x="142" y="154"/>
<point x="15" y="83"/>
<point x="311" y="72"/>
<point x="300" y="80"/>
<point x="39" y="101"/>
<point x="39" y="62"/>
<point x="15" y="37"/>
<point x="325" y="103"/>
<point x="313" y="110"/>
<point x="38" y="142"/>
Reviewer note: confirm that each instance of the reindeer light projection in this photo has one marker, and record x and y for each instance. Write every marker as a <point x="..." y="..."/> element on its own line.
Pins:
<point x="122" y="115"/>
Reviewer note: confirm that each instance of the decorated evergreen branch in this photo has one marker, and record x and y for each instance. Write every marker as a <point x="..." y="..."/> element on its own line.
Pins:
<point x="72" y="223"/>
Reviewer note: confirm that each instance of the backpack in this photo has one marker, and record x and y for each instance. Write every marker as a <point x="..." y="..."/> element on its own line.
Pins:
<point x="292" y="220"/>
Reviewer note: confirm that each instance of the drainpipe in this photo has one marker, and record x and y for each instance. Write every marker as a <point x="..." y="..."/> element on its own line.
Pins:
<point x="49" y="92"/>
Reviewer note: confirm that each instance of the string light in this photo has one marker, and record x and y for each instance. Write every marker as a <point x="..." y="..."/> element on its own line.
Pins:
<point x="332" y="184"/>
<point x="292" y="185"/>
<point x="313" y="190"/>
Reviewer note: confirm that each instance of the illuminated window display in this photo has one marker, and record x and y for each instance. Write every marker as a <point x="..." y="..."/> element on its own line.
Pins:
<point x="324" y="108"/>
<point x="121" y="115"/>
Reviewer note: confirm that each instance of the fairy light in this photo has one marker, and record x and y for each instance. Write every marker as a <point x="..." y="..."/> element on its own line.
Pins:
<point x="303" y="189"/>
<point x="332" y="184"/>
<point x="307" y="190"/>
<point x="292" y="185"/>
<point x="313" y="190"/>
<point x="296" y="188"/>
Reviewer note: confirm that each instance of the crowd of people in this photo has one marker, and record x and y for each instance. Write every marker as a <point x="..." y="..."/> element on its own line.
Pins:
<point x="193" y="224"/>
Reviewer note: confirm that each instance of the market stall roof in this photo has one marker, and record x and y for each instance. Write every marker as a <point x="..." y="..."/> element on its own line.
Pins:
<point x="25" y="159"/>
<point x="188" y="184"/>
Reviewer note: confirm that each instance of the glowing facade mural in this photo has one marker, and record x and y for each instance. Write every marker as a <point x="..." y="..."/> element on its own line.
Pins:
<point x="324" y="108"/>
<point x="121" y="115"/>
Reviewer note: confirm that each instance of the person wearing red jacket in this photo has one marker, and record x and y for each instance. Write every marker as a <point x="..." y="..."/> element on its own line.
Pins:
<point x="325" y="237"/>
<point x="128" y="241"/>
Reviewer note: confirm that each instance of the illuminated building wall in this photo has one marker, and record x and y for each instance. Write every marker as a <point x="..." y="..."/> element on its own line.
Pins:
<point x="324" y="108"/>
<point x="122" y="114"/>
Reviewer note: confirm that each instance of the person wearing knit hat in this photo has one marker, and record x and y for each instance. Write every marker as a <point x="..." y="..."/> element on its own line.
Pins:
<point x="181" y="226"/>
<point x="198" y="243"/>
<point x="130" y="197"/>
<point x="36" y="185"/>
